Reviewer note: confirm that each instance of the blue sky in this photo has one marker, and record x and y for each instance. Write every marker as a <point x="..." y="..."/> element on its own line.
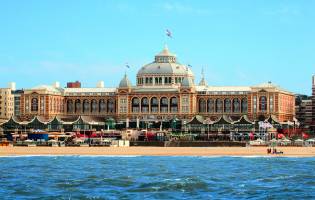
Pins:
<point x="236" y="42"/>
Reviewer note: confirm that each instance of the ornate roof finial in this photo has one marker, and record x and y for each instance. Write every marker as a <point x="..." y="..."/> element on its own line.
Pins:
<point x="202" y="73"/>
<point x="165" y="47"/>
<point x="203" y="81"/>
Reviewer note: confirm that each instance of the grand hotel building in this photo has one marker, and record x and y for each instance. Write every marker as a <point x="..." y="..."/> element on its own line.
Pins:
<point x="164" y="89"/>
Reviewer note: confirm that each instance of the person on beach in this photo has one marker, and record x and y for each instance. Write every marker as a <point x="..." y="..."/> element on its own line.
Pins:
<point x="268" y="150"/>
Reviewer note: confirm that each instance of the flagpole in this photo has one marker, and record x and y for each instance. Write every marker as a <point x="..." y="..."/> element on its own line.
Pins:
<point x="126" y="66"/>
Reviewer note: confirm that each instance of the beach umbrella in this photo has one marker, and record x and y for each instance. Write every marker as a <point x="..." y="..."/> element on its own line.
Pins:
<point x="78" y="140"/>
<point x="305" y="136"/>
<point x="298" y="141"/>
<point x="260" y="141"/>
<point x="286" y="140"/>
<point x="281" y="136"/>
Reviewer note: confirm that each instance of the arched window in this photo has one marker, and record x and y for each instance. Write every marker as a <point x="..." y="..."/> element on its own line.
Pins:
<point x="70" y="106"/>
<point x="135" y="105"/>
<point x="210" y="107"/>
<point x="227" y="105"/>
<point x="202" y="105"/>
<point x="263" y="104"/>
<point x="34" y="105"/>
<point x="144" y="105"/>
<point x="102" y="106"/>
<point x="111" y="106"/>
<point x="174" y="104"/>
<point x="244" y="105"/>
<point x="219" y="106"/>
<point x="163" y="105"/>
<point x="165" y="80"/>
<point x="93" y="106"/>
<point x="86" y="106"/>
<point x="154" y="105"/>
<point x="236" y="105"/>
<point x="77" y="105"/>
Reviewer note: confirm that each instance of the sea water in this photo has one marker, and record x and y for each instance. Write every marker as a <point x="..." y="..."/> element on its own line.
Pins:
<point x="145" y="177"/>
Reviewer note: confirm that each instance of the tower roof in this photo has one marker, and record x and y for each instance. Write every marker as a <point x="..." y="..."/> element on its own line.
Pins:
<point x="187" y="82"/>
<point x="166" y="52"/>
<point x="125" y="83"/>
<point x="203" y="81"/>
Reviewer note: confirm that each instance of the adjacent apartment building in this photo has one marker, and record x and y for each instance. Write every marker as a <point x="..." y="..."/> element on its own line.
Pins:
<point x="6" y="102"/>
<point x="9" y="102"/>
<point x="312" y="126"/>
<point x="303" y="111"/>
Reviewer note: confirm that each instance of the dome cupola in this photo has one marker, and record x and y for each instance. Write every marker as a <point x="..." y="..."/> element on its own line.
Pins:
<point x="165" y="56"/>
<point x="164" y="71"/>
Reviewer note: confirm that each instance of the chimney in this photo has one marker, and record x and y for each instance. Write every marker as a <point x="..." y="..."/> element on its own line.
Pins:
<point x="100" y="84"/>
<point x="56" y="84"/>
<point x="12" y="86"/>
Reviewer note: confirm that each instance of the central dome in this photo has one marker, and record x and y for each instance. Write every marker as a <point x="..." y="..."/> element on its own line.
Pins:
<point x="165" y="67"/>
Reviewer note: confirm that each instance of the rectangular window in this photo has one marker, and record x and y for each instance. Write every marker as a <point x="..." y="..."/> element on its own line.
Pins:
<point x="255" y="104"/>
<point x="271" y="103"/>
<point x="185" y="104"/>
<point x="164" y="109"/>
<point x="154" y="109"/>
<point x="145" y="109"/>
<point x="123" y="109"/>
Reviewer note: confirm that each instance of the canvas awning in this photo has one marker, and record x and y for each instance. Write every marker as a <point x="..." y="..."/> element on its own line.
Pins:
<point x="224" y="120"/>
<point x="197" y="120"/>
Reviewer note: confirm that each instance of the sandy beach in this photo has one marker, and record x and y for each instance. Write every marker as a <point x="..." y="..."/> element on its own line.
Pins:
<point x="157" y="151"/>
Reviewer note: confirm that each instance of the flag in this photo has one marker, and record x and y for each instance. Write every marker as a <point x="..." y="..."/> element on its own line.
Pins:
<point x="168" y="33"/>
